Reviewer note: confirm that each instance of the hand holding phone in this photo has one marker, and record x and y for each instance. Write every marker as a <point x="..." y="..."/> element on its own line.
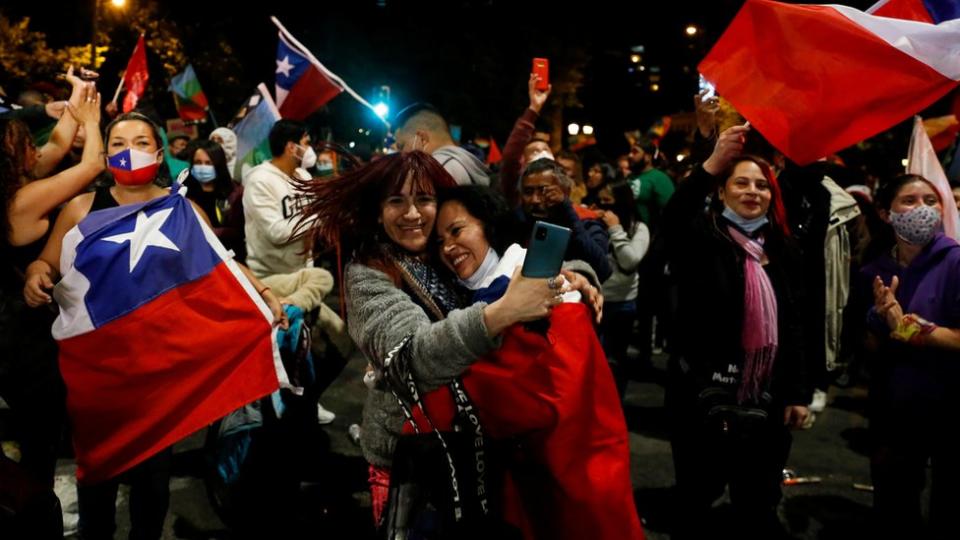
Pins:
<point x="541" y="68"/>
<point x="548" y="244"/>
<point x="707" y="90"/>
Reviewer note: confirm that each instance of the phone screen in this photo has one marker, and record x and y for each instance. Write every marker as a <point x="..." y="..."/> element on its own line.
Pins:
<point x="706" y="85"/>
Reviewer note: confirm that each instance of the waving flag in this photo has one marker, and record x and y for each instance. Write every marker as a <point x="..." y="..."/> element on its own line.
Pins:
<point x="253" y="132"/>
<point x="136" y="76"/>
<point x="159" y="333"/>
<point x="303" y="83"/>
<point x="922" y="160"/>
<point x="928" y="11"/>
<point x="814" y="79"/>
<point x="189" y="97"/>
<point x="302" y="86"/>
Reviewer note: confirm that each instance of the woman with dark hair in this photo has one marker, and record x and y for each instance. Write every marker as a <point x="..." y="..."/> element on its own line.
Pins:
<point x="738" y="382"/>
<point x="403" y="314"/>
<point x="132" y="140"/>
<point x="30" y="380"/>
<point x="598" y="175"/>
<point x="914" y="337"/>
<point x="547" y="389"/>
<point x="210" y="186"/>
<point x="629" y="242"/>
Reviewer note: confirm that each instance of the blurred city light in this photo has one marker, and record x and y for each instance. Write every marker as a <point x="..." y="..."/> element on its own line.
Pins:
<point x="587" y="129"/>
<point x="573" y="128"/>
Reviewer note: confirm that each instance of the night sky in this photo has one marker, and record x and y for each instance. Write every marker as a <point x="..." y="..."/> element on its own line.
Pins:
<point x="469" y="58"/>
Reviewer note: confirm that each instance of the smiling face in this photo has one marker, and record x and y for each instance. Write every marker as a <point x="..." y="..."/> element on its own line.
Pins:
<point x="408" y="216"/>
<point x="463" y="243"/>
<point x="747" y="191"/>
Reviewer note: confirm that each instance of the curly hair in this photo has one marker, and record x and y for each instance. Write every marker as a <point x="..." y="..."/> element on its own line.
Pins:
<point x="485" y="204"/>
<point x="344" y="211"/>
<point x="15" y="137"/>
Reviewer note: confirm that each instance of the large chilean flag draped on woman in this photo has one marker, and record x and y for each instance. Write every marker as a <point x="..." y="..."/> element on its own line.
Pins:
<point x="814" y="79"/>
<point x="160" y="334"/>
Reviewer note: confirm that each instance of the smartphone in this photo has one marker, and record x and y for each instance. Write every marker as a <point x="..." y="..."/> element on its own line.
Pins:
<point x="541" y="66"/>
<point x="548" y="244"/>
<point x="706" y="85"/>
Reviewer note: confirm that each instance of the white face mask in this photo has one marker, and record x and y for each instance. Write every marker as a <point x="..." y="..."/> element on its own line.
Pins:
<point x="541" y="155"/>
<point x="309" y="157"/>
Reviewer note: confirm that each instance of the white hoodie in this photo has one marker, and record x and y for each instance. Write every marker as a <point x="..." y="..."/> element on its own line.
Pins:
<point x="271" y="208"/>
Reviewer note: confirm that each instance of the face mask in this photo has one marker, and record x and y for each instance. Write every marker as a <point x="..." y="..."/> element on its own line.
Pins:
<point x="917" y="226"/>
<point x="543" y="154"/>
<point x="309" y="158"/>
<point x="748" y="225"/>
<point x="132" y="167"/>
<point x="203" y="173"/>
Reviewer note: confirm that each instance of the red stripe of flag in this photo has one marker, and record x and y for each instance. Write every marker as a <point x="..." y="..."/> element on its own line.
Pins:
<point x="142" y="382"/>
<point x="812" y="81"/>
<point x="312" y="91"/>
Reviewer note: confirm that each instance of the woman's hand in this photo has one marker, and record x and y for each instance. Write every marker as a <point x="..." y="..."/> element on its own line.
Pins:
<point x="279" y="315"/>
<point x="609" y="218"/>
<point x="38" y="281"/>
<point x="89" y="109"/>
<point x="885" y="301"/>
<point x="526" y="299"/>
<point x="591" y="295"/>
<point x="794" y="416"/>
<point x="729" y="146"/>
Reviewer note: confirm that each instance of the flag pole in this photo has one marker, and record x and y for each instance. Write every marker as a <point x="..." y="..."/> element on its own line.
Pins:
<point x="213" y="119"/>
<point x="313" y="60"/>
<point x="119" y="87"/>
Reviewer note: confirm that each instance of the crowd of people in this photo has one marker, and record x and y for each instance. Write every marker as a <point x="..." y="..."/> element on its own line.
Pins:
<point x="493" y="399"/>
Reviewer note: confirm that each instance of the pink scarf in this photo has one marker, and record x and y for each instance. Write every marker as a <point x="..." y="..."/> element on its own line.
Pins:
<point x="759" y="334"/>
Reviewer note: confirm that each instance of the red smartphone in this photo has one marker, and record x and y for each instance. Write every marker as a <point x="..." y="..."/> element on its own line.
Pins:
<point x="541" y="66"/>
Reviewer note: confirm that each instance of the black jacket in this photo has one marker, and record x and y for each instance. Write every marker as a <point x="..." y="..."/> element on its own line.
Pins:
<point x="706" y="270"/>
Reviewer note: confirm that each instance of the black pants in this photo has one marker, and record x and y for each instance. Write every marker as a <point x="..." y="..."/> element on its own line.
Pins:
<point x="707" y="460"/>
<point x="616" y="327"/>
<point x="31" y="384"/>
<point x="149" y="500"/>
<point x="908" y="435"/>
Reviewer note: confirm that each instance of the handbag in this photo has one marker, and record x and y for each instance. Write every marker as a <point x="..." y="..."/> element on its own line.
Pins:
<point x="724" y="416"/>
<point x="443" y="484"/>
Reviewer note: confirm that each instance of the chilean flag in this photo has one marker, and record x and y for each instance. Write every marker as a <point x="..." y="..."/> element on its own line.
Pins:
<point x="125" y="165"/>
<point x="928" y="11"/>
<point x="303" y="84"/>
<point x="814" y="79"/>
<point x="160" y="334"/>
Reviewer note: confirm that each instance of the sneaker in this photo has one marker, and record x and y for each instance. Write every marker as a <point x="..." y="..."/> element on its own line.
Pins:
<point x="324" y="416"/>
<point x="819" y="401"/>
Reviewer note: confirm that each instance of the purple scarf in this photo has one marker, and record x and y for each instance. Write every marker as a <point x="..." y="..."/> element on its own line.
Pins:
<point x="759" y="334"/>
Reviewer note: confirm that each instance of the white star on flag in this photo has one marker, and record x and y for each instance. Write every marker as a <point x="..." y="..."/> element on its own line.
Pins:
<point x="123" y="162"/>
<point x="284" y="66"/>
<point x="145" y="233"/>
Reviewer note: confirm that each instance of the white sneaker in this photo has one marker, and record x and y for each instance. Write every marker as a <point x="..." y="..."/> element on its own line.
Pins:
<point x="819" y="401"/>
<point x="324" y="416"/>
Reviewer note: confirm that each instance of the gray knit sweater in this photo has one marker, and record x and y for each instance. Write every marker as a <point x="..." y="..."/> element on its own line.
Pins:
<point x="379" y="315"/>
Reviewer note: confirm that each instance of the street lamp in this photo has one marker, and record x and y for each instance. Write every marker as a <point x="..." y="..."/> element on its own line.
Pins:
<point x="381" y="109"/>
<point x="573" y="128"/>
<point x="635" y="58"/>
<point x="118" y="4"/>
<point x="691" y="30"/>
<point x="587" y="129"/>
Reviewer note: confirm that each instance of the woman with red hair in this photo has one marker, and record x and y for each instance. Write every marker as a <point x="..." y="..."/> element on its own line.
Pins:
<point x="738" y="385"/>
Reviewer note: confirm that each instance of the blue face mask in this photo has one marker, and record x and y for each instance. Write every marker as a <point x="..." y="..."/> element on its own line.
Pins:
<point x="749" y="226"/>
<point x="203" y="173"/>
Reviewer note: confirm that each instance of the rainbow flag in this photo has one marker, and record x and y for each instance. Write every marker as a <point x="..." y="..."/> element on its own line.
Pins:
<point x="191" y="102"/>
<point x="253" y="132"/>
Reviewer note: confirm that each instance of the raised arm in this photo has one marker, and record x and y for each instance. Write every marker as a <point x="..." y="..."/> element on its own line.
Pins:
<point x="32" y="203"/>
<point x="45" y="271"/>
<point x="520" y="136"/>
<point x="51" y="153"/>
